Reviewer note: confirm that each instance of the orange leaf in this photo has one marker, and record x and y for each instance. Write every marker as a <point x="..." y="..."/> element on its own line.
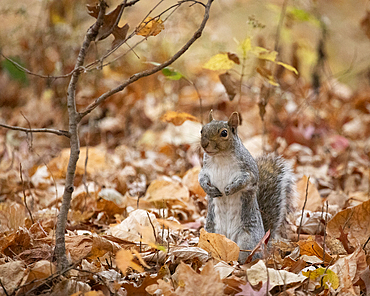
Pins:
<point x="150" y="27"/>
<point x="177" y="118"/>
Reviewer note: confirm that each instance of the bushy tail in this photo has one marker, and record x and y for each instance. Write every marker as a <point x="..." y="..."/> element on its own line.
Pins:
<point x="276" y="193"/>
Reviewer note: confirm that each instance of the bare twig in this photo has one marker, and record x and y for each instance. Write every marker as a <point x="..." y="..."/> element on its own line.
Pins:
<point x="326" y="222"/>
<point x="155" y="69"/>
<point x="304" y="205"/>
<point x="21" y="68"/>
<point x="24" y="194"/>
<point x="37" y="130"/>
<point x="151" y="223"/>
<point x="60" y="248"/>
<point x="280" y="25"/>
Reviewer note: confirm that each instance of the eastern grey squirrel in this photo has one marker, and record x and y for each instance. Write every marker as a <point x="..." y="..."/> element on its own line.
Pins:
<point x="246" y="197"/>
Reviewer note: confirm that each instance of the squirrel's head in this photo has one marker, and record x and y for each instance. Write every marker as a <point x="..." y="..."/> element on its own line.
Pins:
<point x="219" y="136"/>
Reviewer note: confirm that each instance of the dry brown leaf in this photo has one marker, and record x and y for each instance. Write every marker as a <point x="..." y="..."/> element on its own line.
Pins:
<point x="89" y="246"/>
<point x="110" y="23"/>
<point x="177" y="118"/>
<point x="230" y="84"/>
<point x="258" y="272"/>
<point x="96" y="162"/>
<point x="189" y="253"/>
<point x="312" y="248"/>
<point x="190" y="180"/>
<point x="16" y="242"/>
<point x="218" y="245"/>
<point x="11" y="275"/>
<point x="349" y="269"/>
<point x="40" y="270"/>
<point x="150" y="27"/>
<point x="189" y="282"/>
<point x="165" y="288"/>
<point x="355" y="221"/>
<point x="314" y="201"/>
<point x="119" y="34"/>
<point x="137" y="227"/>
<point x="124" y="260"/>
<point x="163" y="190"/>
<point x="232" y="284"/>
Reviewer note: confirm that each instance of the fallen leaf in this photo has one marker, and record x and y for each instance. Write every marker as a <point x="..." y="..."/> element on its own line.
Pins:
<point x="11" y="275"/>
<point x="312" y="248"/>
<point x="190" y="180"/>
<point x="349" y="269"/>
<point x="150" y="27"/>
<point x="165" y="288"/>
<point x="177" y="118"/>
<point x="218" y="245"/>
<point x="314" y="200"/>
<point x="323" y="276"/>
<point x="137" y="227"/>
<point x="356" y="220"/>
<point x="89" y="246"/>
<point x="190" y="253"/>
<point x="258" y="272"/>
<point x="163" y="190"/>
<point x="189" y="282"/>
<point x="124" y="260"/>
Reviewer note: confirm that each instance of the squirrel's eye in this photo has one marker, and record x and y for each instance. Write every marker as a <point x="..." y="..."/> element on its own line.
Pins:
<point x="224" y="133"/>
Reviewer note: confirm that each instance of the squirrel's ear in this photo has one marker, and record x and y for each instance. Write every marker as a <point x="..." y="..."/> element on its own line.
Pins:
<point x="210" y="116"/>
<point x="234" y="121"/>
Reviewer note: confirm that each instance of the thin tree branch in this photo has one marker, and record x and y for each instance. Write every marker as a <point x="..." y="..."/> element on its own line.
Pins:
<point x="155" y="69"/>
<point x="60" y="248"/>
<point x="37" y="130"/>
<point x="21" y="68"/>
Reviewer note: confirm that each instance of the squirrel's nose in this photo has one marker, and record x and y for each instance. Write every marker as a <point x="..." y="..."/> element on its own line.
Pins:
<point x="204" y="143"/>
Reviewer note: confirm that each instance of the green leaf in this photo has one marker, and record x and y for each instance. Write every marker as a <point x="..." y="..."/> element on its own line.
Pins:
<point x="219" y="61"/>
<point x="171" y="74"/>
<point x="13" y="71"/>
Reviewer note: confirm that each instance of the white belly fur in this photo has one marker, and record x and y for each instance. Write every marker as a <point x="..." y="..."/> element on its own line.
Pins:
<point x="227" y="208"/>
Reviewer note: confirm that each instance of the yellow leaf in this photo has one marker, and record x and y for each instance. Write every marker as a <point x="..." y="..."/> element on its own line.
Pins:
<point x="150" y="27"/>
<point x="219" y="62"/>
<point x="264" y="54"/>
<point x="124" y="260"/>
<point x="138" y="256"/>
<point x="288" y="67"/>
<point x="246" y="46"/>
<point x="326" y="276"/>
<point x="178" y="118"/>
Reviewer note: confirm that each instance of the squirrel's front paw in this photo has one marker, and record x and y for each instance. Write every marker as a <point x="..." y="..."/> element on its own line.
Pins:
<point x="213" y="192"/>
<point x="229" y="189"/>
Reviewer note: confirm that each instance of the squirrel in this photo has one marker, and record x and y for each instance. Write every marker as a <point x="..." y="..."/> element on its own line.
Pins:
<point x="246" y="196"/>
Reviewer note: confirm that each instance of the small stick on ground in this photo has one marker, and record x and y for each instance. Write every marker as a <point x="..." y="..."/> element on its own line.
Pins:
<point x="304" y="205"/>
<point x="24" y="194"/>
